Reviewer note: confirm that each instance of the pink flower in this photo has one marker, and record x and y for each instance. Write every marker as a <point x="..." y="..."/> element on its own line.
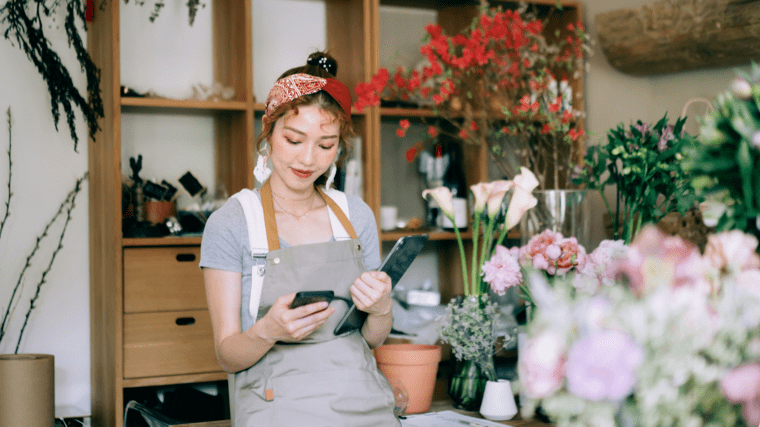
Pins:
<point x="655" y="259"/>
<point x="502" y="271"/>
<point x="496" y="197"/>
<point x="522" y="198"/>
<point x="443" y="196"/>
<point x="749" y="280"/>
<point x="603" y="258"/>
<point x="732" y="251"/>
<point x="542" y="367"/>
<point x="742" y="383"/>
<point x="602" y="366"/>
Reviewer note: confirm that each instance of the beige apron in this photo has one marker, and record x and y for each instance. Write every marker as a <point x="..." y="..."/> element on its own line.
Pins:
<point x="323" y="380"/>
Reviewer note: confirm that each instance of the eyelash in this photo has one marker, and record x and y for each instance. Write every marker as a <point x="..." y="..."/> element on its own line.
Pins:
<point x="298" y="142"/>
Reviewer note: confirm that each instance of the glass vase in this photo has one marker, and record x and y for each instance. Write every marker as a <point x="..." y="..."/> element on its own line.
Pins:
<point x="562" y="211"/>
<point x="467" y="385"/>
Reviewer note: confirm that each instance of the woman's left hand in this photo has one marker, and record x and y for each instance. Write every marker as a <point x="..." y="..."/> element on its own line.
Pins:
<point x="371" y="293"/>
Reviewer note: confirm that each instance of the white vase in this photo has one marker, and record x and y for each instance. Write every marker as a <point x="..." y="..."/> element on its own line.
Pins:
<point x="498" y="401"/>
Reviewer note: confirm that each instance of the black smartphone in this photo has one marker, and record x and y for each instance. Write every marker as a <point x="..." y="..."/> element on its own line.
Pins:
<point x="309" y="297"/>
<point x="395" y="265"/>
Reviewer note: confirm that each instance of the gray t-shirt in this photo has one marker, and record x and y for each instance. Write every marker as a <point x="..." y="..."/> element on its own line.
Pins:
<point x="225" y="244"/>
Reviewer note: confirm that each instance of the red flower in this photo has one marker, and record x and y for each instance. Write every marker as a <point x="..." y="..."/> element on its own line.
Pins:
<point x="432" y="131"/>
<point x="571" y="27"/>
<point x="534" y="48"/>
<point x="399" y="79"/>
<point x="566" y="116"/>
<point x="411" y="154"/>
<point x="554" y="108"/>
<point x="473" y="126"/>
<point x="434" y="30"/>
<point x="546" y="129"/>
<point x="400" y="133"/>
<point x="425" y="91"/>
<point x="574" y="134"/>
<point x="463" y="134"/>
<point x="437" y="99"/>
<point x="404" y="124"/>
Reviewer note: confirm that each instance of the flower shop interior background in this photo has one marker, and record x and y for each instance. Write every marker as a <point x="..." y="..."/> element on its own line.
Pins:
<point x="45" y="165"/>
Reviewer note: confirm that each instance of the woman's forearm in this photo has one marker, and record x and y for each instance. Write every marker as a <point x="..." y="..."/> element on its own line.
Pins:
<point x="376" y="328"/>
<point x="241" y="351"/>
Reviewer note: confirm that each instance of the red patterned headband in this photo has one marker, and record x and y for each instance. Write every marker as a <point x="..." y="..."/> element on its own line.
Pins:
<point x="296" y="85"/>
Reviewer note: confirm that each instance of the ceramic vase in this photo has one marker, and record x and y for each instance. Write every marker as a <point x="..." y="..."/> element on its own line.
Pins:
<point x="27" y="390"/>
<point x="498" y="401"/>
<point x="467" y="384"/>
<point x="415" y="366"/>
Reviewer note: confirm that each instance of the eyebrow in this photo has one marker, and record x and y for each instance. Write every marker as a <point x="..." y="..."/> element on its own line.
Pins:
<point x="301" y="133"/>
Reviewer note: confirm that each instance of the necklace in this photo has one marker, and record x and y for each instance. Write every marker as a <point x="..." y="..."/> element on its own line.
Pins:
<point x="294" y="200"/>
<point x="298" y="217"/>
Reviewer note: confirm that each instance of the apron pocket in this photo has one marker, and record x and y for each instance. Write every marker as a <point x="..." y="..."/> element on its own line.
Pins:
<point x="350" y="397"/>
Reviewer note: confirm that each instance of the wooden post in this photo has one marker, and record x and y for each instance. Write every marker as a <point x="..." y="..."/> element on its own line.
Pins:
<point x="678" y="35"/>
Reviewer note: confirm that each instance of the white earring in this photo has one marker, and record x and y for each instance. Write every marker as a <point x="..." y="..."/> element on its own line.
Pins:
<point x="331" y="176"/>
<point x="261" y="171"/>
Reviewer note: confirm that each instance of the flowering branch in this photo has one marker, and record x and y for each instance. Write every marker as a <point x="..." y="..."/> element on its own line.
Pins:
<point x="500" y="77"/>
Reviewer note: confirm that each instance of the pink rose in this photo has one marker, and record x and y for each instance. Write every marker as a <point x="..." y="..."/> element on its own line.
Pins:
<point x="541" y="367"/>
<point x="502" y="271"/>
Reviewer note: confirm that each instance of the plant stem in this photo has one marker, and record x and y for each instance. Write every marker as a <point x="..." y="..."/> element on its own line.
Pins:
<point x="71" y="202"/>
<point x="461" y="258"/>
<point x="474" y="267"/>
<point x="10" y="175"/>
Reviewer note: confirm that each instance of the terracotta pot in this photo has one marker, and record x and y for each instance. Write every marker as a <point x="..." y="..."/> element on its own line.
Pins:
<point x="416" y="366"/>
<point x="157" y="211"/>
<point x="27" y="390"/>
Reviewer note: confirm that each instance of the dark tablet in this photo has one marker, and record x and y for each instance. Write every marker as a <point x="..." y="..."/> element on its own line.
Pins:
<point x="395" y="265"/>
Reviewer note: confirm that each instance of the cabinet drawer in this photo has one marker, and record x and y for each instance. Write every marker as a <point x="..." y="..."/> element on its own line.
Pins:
<point x="163" y="279"/>
<point x="160" y="344"/>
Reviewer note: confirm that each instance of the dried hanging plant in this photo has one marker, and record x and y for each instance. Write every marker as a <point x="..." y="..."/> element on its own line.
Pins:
<point x="66" y="207"/>
<point x="192" y="9"/>
<point x="24" y="20"/>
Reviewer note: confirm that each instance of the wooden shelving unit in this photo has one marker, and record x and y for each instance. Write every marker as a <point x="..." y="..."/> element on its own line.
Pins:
<point x="117" y="307"/>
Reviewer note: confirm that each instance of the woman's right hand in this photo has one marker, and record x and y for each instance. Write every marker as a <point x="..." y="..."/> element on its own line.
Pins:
<point x="283" y="324"/>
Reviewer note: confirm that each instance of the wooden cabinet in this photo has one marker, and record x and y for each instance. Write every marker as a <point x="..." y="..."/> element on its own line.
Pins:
<point x="149" y="323"/>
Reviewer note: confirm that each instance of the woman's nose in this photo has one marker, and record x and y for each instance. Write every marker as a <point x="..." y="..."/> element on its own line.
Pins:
<point x="307" y="154"/>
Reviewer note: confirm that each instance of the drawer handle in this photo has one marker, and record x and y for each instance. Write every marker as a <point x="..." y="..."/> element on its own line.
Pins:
<point x="185" y="321"/>
<point x="185" y="257"/>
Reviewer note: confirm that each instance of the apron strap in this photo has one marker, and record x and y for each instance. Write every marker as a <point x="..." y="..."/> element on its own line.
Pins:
<point x="271" y="224"/>
<point x="335" y="208"/>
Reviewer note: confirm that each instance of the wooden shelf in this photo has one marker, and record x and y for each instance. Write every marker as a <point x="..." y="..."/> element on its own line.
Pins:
<point x="175" y="379"/>
<point x="186" y="104"/>
<point x="132" y="242"/>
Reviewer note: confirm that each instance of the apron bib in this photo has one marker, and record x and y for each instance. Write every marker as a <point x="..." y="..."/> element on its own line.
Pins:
<point x="323" y="380"/>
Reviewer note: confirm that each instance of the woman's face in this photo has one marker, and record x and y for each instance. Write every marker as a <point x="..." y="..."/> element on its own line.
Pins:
<point x="304" y="146"/>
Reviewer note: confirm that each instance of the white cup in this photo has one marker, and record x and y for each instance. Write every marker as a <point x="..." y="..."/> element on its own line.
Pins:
<point x="388" y="217"/>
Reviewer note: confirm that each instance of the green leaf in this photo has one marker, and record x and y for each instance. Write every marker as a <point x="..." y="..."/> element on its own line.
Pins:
<point x="745" y="171"/>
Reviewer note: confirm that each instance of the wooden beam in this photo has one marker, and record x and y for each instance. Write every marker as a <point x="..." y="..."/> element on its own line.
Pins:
<point x="678" y="35"/>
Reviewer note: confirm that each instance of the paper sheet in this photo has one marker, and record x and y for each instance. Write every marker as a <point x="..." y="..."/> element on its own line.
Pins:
<point x="446" y="419"/>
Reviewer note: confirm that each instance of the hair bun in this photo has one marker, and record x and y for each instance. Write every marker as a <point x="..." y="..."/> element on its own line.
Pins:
<point x="325" y="61"/>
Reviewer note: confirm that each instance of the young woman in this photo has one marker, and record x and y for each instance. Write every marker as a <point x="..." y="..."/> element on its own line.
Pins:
<point x="297" y="234"/>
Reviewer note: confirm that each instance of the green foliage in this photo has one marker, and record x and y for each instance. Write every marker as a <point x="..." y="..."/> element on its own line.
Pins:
<point x="645" y="166"/>
<point x="469" y="327"/>
<point x="725" y="163"/>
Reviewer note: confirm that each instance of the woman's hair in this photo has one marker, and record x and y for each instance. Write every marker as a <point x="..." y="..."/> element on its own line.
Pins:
<point x="317" y="65"/>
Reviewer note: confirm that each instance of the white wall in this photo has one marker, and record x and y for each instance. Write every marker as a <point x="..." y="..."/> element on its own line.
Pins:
<point x="45" y="168"/>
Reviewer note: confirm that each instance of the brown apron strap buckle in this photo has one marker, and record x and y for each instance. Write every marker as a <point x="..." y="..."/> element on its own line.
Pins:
<point x="269" y="394"/>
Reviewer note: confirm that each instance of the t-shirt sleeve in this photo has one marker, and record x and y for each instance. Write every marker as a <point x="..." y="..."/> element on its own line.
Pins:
<point x="224" y="237"/>
<point x="365" y="225"/>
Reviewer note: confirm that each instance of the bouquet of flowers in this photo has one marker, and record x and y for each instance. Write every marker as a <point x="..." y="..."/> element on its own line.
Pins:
<point x="725" y="164"/>
<point x="500" y="76"/>
<point x="468" y="324"/>
<point x="554" y="257"/>
<point x="644" y="163"/>
<point x="674" y="340"/>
